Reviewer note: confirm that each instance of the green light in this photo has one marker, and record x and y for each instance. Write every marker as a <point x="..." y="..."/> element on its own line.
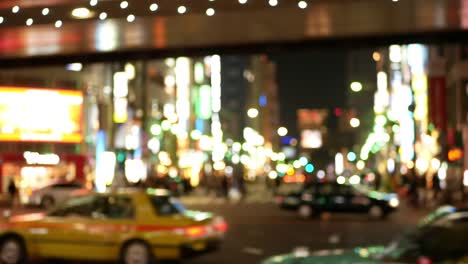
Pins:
<point x="203" y="102"/>
<point x="156" y="129"/>
<point x="199" y="72"/>
<point x="309" y="168"/>
<point x="121" y="156"/>
<point x="375" y="149"/>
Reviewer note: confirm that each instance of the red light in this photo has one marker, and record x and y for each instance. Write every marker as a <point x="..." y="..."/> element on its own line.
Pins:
<point x="338" y="111"/>
<point x="221" y="227"/>
<point x="424" y="260"/>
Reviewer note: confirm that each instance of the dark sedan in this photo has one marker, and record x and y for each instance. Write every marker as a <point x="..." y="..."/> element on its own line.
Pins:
<point x="439" y="238"/>
<point x="316" y="198"/>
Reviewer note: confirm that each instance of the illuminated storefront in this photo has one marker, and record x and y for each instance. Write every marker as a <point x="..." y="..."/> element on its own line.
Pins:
<point x="33" y="170"/>
<point x="40" y="118"/>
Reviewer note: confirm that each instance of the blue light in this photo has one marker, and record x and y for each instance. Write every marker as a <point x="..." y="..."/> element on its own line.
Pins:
<point x="309" y="168"/>
<point x="200" y="125"/>
<point x="138" y="153"/>
<point x="100" y="143"/>
<point x="262" y="101"/>
<point x="352" y="156"/>
<point x="100" y="149"/>
<point x="286" y="140"/>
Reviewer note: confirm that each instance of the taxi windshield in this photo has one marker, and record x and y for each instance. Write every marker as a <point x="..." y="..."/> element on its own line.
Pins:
<point x="165" y="205"/>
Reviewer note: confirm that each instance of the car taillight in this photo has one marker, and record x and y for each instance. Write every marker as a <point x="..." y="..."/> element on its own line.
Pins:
<point x="195" y="231"/>
<point x="424" y="260"/>
<point x="220" y="225"/>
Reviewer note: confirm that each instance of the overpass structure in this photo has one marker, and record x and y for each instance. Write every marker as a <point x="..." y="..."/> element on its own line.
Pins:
<point x="45" y="31"/>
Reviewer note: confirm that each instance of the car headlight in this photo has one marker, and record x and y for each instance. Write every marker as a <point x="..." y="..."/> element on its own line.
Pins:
<point x="301" y="252"/>
<point x="394" y="202"/>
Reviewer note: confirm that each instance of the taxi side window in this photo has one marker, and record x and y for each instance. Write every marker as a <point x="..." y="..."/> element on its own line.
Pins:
<point x="97" y="207"/>
<point x="80" y="206"/>
<point x="120" y="207"/>
<point x="164" y="206"/>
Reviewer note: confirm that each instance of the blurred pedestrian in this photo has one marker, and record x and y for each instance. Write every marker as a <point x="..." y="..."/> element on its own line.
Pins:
<point x="224" y="186"/>
<point x="13" y="192"/>
<point x="239" y="180"/>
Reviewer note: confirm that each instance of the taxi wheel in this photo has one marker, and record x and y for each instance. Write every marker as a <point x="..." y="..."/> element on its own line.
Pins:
<point x="12" y="251"/>
<point x="137" y="252"/>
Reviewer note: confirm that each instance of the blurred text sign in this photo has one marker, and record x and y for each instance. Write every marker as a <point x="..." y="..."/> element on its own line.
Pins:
<point x="40" y="115"/>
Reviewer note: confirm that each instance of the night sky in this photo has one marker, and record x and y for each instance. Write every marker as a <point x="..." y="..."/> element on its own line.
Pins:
<point x="312" y="79"/>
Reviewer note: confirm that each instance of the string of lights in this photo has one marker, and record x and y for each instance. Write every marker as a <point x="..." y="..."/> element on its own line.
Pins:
<point x="65" y="11"/>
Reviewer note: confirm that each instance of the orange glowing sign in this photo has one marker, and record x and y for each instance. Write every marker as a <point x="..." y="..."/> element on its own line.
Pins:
<point x="40" y="115"/>
<point x="296" y="178"/>
<point x="455" y="154"/>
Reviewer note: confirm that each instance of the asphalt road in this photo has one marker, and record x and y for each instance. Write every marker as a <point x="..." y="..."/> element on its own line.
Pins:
<point x="261" y="230"/>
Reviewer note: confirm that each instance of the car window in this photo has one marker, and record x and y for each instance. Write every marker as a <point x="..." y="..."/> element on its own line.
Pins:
<point x="462" y="220"/>
<point x="113" y="207"/>
<point x="119" y="207"/>
<point x="165" y="205"/>
<point x="437" y="215"/>
<point x="454" y="220"/>
<point x="325" y="189"/>
<point x="67" y="185"/>
<point x="343" y="190"/>
<point x="78" y="206"/>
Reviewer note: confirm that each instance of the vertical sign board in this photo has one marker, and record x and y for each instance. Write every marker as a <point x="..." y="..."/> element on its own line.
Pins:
<point x="438" y="102"/>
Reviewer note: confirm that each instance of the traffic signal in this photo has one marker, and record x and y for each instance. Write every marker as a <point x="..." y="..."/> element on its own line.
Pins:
<point x="309" y="168"/>
<point x="121" y="155"/>
<point x="338" y="112"/>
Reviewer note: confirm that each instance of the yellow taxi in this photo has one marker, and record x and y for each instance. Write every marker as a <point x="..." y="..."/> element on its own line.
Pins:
<point x="130" y="226"/>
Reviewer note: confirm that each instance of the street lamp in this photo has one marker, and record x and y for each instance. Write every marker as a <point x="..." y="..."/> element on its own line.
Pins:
<point x="282" y="131"/>
<point x="252" y="112"/>
<point x="376" y="55"/>
<point x="356" y="86"/>
<point x="354" y="122"/>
